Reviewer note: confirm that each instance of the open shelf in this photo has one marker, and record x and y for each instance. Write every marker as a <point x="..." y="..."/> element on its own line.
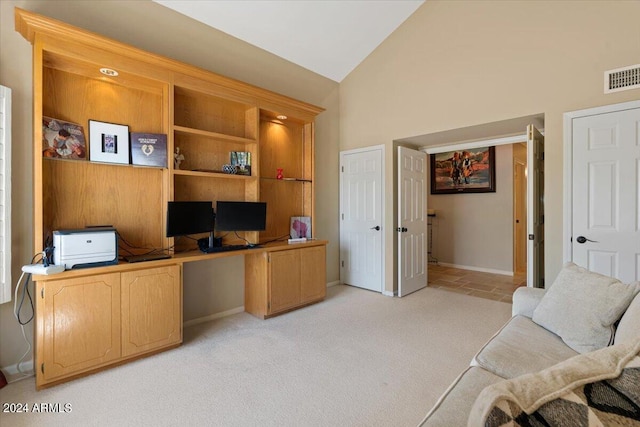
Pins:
<point x="199" y="110"/>
<point x="212" y="174"/>
<point x="213" y="135"/>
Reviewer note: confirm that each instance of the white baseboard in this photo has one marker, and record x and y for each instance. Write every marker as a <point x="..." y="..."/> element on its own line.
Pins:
<point x="12" y="374"/>
<point x="484" y="270"/>
<point x="388" y="293"/>
<point x="334" y="283"/>
<point x="211" y="317"/>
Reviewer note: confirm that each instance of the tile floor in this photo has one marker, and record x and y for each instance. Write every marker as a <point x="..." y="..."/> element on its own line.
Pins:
<point x="484" y="285"/>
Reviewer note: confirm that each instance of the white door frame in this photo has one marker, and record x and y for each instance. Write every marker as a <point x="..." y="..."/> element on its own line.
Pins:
<point x="382" y="149"/>
<point x="567" y="205"/>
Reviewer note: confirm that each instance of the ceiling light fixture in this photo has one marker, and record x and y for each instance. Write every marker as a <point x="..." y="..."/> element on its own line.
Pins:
<point x="109" y="72"/>
<point x="281" y="117"/>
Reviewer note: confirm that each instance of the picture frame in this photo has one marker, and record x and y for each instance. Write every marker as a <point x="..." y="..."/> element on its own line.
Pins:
<point x="63" y="140"/>
<point x="464" y="171"/>
<point x="108" y="142"/>
<point x="300" y="227"/>
<point x="242" y="161"/>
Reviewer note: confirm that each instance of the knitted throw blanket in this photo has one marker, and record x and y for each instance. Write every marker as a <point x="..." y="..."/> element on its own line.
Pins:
<point x="601" y="388"/>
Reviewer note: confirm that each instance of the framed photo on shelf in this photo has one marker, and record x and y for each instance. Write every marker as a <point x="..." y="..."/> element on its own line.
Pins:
<point x="108" y="142"/>
<point x="300" y="227"/>
<point x="464" y="171"/>
<point x="149" y="149"/>
<point x="242" y="161"/>
<point x="63" y="140"/>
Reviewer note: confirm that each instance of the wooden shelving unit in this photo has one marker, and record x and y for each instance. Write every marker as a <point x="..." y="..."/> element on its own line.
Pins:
<point x="207" y="116"/>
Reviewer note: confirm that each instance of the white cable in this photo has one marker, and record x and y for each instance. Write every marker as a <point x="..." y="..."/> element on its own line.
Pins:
<point x="17" y="316"/>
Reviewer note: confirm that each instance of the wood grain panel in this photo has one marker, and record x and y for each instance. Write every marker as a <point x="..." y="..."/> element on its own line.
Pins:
<point x="151" y="309"/>
<point x="281" y="147"/>
<point x="284" y="199"/>
<point x="255" y="283"/>
<point x="73" y="98"/>
<point x="205" y="153"/>
<point x="313" y="285"/>
<point x="214" y="114"/>
<point x="284" y="280"/>
<point x="79" y="193"/>
<point x="81" y="324"/>
<point x="91" y="70"/>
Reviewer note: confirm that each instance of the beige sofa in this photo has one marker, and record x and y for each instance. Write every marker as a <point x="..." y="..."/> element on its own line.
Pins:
<point x="550" y="331"/>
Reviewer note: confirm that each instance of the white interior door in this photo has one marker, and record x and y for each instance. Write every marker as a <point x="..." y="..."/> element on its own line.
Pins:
<point x="412" y="221"/>
<point x="535" y="207"/>
<point x="361" y="218"/>
<point x="606" y="193"/>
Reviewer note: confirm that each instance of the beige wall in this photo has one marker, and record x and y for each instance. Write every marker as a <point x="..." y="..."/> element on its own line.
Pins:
<point x="475" y="230"/>
<point x="454" y="64"/>
<point x="211" y="288"/>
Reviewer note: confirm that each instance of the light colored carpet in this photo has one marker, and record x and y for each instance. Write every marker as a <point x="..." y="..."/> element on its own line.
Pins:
<point x="356" y="359"/>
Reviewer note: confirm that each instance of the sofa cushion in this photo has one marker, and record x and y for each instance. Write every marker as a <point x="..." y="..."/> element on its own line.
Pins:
<point x="521" y="347"/>
<point x="629" y="326"/>
<point x="582" y="306"/>
<point x="455" y="404"/>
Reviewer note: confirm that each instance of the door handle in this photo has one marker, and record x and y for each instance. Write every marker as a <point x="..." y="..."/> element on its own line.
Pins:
<point x="377" y="228"/>
<point x="402" y="229"/>
<point x="582" y="239"/>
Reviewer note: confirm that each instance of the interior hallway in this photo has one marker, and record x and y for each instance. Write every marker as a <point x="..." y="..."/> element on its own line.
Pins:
<point x="497" y="287"/>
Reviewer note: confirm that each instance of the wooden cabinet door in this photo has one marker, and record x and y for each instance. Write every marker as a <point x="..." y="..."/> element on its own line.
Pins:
<point x="81" y="324"/>
<point x="284" y="280"/>
<point x="313" y="284"/>
<point x="151" y="309"/>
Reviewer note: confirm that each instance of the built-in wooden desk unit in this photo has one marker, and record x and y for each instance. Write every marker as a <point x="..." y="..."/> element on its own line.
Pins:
<point x="89" y="319"/>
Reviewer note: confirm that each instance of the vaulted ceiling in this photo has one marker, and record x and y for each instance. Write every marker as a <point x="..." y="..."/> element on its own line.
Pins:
<point x="329" y="37"/>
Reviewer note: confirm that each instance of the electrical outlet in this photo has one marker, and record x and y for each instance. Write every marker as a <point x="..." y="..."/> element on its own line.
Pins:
<point x="41" y="269"/>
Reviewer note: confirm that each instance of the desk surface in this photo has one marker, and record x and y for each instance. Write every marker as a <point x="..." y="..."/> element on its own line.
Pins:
<point x="179" y="258"/>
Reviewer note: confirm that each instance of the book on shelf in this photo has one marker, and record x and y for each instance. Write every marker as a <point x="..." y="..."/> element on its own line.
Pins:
<point x="63" y="140"/>
<point x="149" y="149"/>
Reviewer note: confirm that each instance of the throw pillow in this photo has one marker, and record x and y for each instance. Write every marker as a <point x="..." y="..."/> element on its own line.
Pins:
<point x="582" y="306"/>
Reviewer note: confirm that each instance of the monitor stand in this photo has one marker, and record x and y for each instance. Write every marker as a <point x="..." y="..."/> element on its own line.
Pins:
<point x="209" y="242"/>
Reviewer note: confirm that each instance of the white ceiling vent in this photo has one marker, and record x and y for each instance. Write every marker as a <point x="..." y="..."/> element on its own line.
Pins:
<point x="622" y="79"/>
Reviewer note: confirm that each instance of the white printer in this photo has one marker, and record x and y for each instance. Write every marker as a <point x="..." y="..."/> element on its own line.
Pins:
<point x="85" y="247"/>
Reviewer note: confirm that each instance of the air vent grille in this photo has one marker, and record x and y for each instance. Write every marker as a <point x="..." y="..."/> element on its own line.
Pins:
<point x="622" y="79"/>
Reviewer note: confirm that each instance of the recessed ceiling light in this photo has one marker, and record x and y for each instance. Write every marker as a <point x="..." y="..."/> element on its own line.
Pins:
<point x="109" y="72"/>
<point x="281" y="117"/>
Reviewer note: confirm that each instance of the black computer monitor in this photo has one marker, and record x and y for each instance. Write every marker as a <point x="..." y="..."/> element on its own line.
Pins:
<point x="241" y="216"/>
<point x="184" y="218"/>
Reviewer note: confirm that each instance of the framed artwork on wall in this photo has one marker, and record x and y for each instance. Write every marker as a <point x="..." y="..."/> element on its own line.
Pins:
<point x="108" y="142"/>
<point x="464" y="171"/>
